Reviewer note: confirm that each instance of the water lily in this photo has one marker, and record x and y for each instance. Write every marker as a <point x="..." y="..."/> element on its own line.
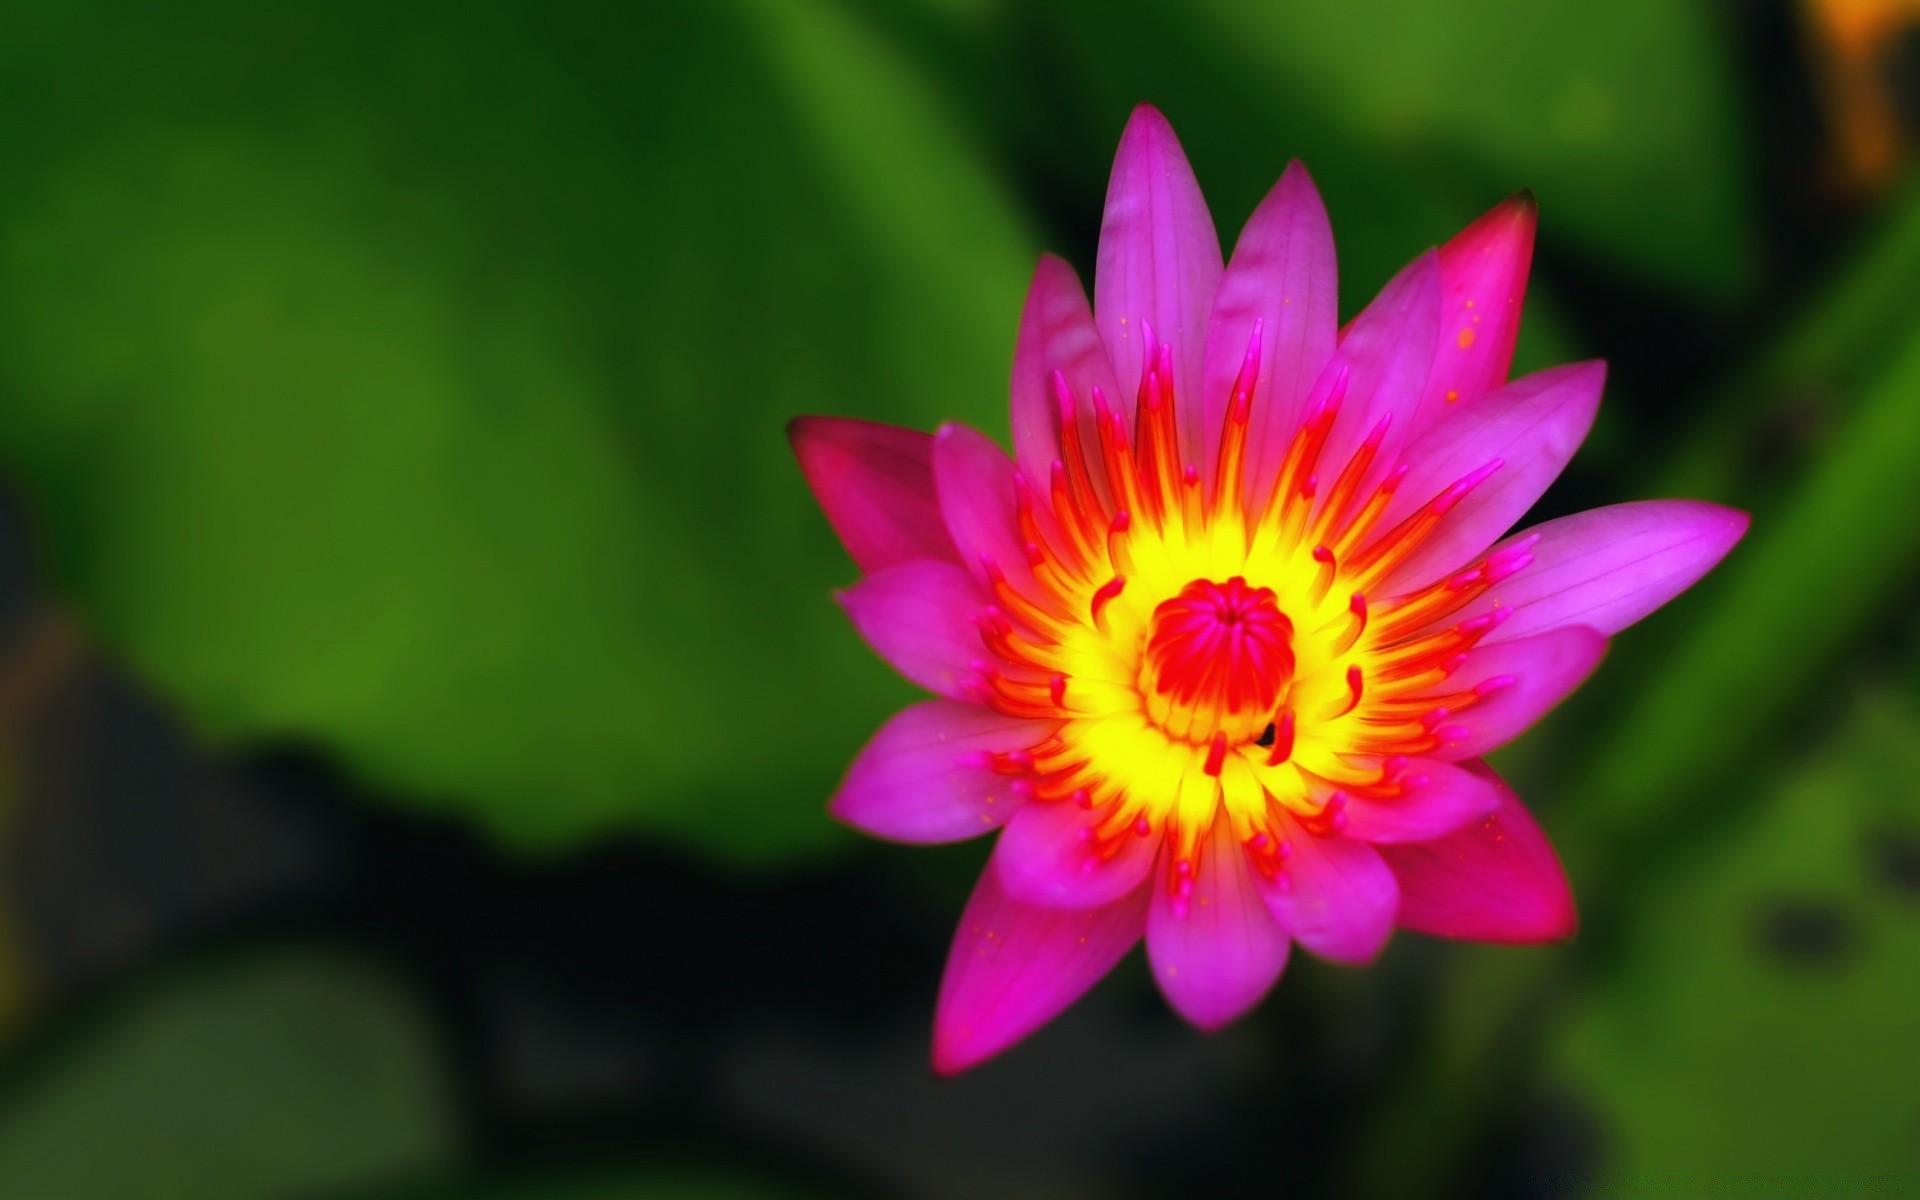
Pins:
<point x="1218" y="650"/>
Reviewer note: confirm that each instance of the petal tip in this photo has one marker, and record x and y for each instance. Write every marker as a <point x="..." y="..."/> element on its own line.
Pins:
<point x="1146" y="116"/>
<point x="1739" y="521"/>
<point x="1053" y="264"/>
<point x="957" y="1051"/>
<point x="1558" y="922"/>
<point x="1564" y="925"/>
<point x="950" y="1059"/>
<point x="1212" y="1024"/>
<point x="1723" y="526"/>
<point x="802" y="433"/>
<point x="1296" y="175"/>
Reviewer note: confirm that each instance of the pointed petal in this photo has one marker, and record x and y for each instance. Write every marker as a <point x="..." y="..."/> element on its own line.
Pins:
<point x="1441" y="798"/>
<point x="978" y="498"/>
<point x="1218" y="951"/>
<point x="1014" y="967"/>
<point x="919" y="617"/>
<point x="1496" y="881"/>
<point x="875" y="483"/>
<point x="1383" y="357"/>
<point x="1524" y="679"/>
<point x="1333" y="894"/>
<point x="1159" y="265"/>
<point x="1609" y="567"/>
<point x="1483" y="281"/>
<point x="1057" y="334"/>
<point x="1047" y="856"/>
<point x="1283" y="277"/>
<point x="922" y="779"/>
<point x="1530" y="428"/>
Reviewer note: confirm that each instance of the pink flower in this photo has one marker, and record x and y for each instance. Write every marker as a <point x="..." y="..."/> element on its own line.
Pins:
<point x="1219" y="649"/>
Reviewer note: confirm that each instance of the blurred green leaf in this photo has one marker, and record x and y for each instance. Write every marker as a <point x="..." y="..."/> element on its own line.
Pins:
<point x="414" y="382"/>
<point x="1819" y="567"/>
<point x="1811" y="376"/>
<point x="282" y="1078"/>
<point x="1760" y="1018"/>
<point x="1621" y="117"/>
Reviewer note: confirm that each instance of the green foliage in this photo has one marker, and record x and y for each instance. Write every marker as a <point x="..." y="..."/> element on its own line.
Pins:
<point x="420" y="391"/>
<point x="1827" y="563"/>
<point x="285" y="1077"/>
<point x="1620" y="117"/>
<point x="1769" y="986"/>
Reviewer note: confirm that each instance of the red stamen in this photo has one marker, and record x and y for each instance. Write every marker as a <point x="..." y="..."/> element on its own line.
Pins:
<point x="1356" y="624"/>
<point x="1216" y="755"/>
<point x="1356" y="686"/>
<point x="1283" y="731"/>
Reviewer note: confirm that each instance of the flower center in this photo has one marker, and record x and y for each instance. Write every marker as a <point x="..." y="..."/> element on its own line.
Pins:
<point x="1218" y="658"/>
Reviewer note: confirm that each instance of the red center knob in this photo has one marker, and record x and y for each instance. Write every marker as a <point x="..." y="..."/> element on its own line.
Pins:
<point x="1218" y="657"/>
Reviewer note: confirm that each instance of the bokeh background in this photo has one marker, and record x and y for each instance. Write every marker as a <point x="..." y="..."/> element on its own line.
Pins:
<point x="419" y="686"/>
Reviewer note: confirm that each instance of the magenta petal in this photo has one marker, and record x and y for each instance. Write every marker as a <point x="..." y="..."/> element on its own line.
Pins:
<point x="1015" y="966"/>
<point x="1333" y="894"/>
<point x="1497" y="881"/>
<point x="1282" y="277"/>
<point x="1218" y="950"/>
<point x="1047" y="855"/>
<point x="1483" y="281"/>
<point x="1530" y="428"/>
<point x="978" y="497"/>
<point x="1381" y="365"/>
<point x="1441" y="798"/>
<point x="1057" y="335"/>
<point x="919" y="617"/>
<point x="875" y="483"/>
<point x="1158" y="266"/>
<point x="924" y="778"/>
<point x="1609" y="567"/>
<point x="1520" y="681"/>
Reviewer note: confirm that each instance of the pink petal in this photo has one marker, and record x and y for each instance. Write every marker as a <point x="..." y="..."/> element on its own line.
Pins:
<point x="1483" y="280"/>
<point x="1523" y="680"/>
<point x="1382" y="361"/>
<point x="1283" y="277"/>
<point x="1498" y="881"/>
<point x="1159" y="264"/>
<point x="1048" y="856"/>
<point x="1440" y="799"/>
<point x="1057" y="334"/>
<point x="923" y="777"/>
<point x="1333" y="894"/>
<point x="1013" y="967"/>
<point x="1530" y="428"/>
<point x="978" y="498"/>
<point x="875" y="483"/>
<point x="919" y="617"/>
<point x="1216" y="952"/>
<point x="1609" y="567"/>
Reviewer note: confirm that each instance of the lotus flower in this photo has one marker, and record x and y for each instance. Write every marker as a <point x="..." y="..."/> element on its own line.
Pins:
<point x="1218" y="650"/>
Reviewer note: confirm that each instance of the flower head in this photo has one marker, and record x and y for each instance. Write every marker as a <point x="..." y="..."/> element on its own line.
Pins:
<point x="1220" y="647"/>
